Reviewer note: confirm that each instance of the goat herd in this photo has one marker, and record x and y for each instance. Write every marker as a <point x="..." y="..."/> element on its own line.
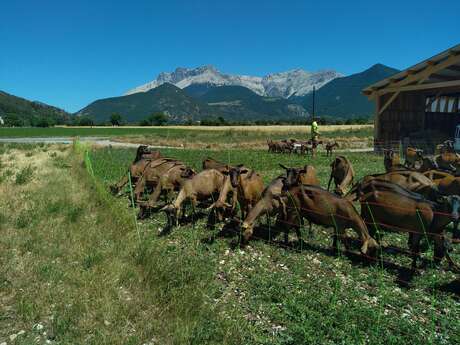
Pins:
<point x="300" y="147"/>
<point x="420" y="197"/>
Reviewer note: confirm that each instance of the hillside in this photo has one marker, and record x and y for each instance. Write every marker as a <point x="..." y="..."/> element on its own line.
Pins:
<point x="166" y="98"/>
<point x="342" y="98"/>
<point x="240" y="103"/>
<point x="230" y="102"/>
<point x="17" y="111"/>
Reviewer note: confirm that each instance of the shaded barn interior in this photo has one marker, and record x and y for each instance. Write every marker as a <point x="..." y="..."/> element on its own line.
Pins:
<point x="419" y="106"/>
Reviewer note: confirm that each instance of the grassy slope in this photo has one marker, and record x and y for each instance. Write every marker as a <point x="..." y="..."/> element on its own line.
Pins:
<point x="28" y="112"/>
<point x="73" y="263"/>
<point x="278" y="295"/>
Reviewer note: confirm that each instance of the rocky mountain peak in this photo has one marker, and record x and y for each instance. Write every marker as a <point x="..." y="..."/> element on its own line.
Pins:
<point x="284" y="84"/>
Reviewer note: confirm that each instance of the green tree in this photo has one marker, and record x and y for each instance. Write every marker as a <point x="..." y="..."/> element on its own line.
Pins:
<point x="13" y="120"/>
<point x="85" y="121"/>
<point x="116" y="119"/>
<point x="158" y="119"/>
<point x="43" y="122"/>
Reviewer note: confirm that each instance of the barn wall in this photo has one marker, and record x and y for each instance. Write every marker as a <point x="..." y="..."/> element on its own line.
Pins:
<point x="406" y="118"/>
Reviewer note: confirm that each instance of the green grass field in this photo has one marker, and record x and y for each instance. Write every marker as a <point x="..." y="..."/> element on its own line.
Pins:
<point x="298" y="295"/>
<point x="81" y="267"/>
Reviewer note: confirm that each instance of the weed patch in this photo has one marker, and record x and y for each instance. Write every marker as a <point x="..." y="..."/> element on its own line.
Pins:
<point x="24" y="175"/>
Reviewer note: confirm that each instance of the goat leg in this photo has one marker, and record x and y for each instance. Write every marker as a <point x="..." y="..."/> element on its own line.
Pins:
<point x="415" y="248"/>
<point x="329" y="183"/>
<point x="456" y="233"/>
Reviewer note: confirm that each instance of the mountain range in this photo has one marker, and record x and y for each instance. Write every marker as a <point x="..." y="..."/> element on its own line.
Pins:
<point x="286" y="84"/>
<point x="195" y="94"/>
<point x="191" y="95"/>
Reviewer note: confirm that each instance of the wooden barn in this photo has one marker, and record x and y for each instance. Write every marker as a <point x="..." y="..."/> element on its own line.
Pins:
<point x="419" y="106"/>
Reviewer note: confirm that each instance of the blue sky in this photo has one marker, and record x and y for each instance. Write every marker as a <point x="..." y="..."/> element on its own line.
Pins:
<point x="70" y="53"/>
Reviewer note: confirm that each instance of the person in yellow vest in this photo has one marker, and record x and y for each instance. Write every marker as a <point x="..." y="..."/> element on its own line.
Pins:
<point x="314" y="131"/>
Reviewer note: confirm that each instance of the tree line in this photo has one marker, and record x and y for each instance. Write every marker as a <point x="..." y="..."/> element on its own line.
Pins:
<point x="162" y="119"/>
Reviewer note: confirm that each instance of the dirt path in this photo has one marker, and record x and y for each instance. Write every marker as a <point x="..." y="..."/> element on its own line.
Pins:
<point x="98" y="141"/>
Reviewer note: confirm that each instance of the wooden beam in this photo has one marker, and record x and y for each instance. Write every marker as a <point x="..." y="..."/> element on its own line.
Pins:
<point x="424" y="86"/>
<point x="387" y="104"/>
<point x="442" y="77"/>
<point x="454" y="68"/>
<point x="422" y="74"/>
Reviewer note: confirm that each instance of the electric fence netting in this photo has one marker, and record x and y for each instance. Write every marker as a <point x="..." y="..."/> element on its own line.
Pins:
<point x="386" y="259"/>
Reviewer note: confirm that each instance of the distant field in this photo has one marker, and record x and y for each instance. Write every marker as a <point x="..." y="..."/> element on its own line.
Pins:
<point x="225" y="137"/>
<point x="174" y="131"/>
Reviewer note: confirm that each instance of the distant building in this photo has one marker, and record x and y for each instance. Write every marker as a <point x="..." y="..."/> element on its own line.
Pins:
<point x="420" y="105"/>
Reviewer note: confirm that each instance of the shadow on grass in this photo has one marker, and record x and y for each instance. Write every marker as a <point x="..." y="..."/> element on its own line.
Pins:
<point x="452" y="288"/>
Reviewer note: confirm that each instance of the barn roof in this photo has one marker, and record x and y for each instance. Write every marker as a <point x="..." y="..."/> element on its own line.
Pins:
<point x="441" y="70"/>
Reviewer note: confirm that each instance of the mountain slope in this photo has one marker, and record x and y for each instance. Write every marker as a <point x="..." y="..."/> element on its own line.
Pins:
<point x="285" y="84"/>
<point x="166" y="98"/>
<point x="240" y="103"/>
<point x="230" y="102"/>
<point x="17" y="111"/>
<point x="342" y="97"/>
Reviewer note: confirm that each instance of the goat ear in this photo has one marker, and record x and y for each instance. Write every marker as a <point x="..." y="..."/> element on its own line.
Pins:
<point x="243" y="171"/>
<point x="282" y="166"/>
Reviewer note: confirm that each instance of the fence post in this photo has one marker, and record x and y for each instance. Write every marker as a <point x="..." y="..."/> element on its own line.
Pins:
<point x="133" y="207"/>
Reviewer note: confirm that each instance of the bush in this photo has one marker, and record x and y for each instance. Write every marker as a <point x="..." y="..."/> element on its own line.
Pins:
<point x="116" y="119"/>
<point x="85" y="121"/>
<point x="156" y="119"/>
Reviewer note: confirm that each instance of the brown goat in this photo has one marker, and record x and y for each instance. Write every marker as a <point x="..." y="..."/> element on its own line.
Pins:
<point x="170" y="180"/>
<point x="272" y="202"/>
<point x="152" y="173"/>
<point x="392" y="210"/>
<point x="413" y="156"/>
<point x="391" y="161"/>
<point x="428" y="163"/>
<point x="271" y="146"/>
<point x="211" y="163"/>
<point x="200" y="187"/>
<point x="143" y="152"/>
<point x="449" y="161"/>
<point x="342" y="173"/>
<point x="245" y="184"/>
<point x="450" y="185"/>
<point x="327" y="209"/>
<point x="410" y="180"/>
<point x="137" y="167"/>
<point x="330" y="147"/>
<point x="435" y="175"/>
